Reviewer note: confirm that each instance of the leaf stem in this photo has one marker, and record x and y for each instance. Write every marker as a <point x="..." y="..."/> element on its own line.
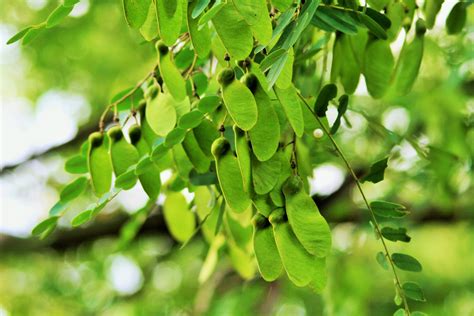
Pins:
<point x="372" y="214"/>
<point x="123" y="98"/>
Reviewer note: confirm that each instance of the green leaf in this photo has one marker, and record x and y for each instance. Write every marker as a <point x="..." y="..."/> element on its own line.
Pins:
<point x="143" y="165"/>
<point x="376" y="172"/>
<point x="413" y="291"/>
<point x="209" y="103"/>
<point x="327" y="93"/>
<point x="99" y="163"/>
<point x="58" y="15"/>
<point x="339" y="20"/>
<point x="341" y="109"/>
<point x="170" y="17"/>
<point x="82" y="217"/>
<point x="45" y="227"/>
<point x="431" y="9"/>
<point x="388" y="209"/>
<point x="127" y="180"/>
<point x="179" y="219"/>
<point x="136" y="12"/>
<point x="309" y="226"/>
<point x="230" y="178"/>
<point x="382" y="260"/>
<point x="292" y="107"/>
<point x="262" y="29"/>
<point x="199" y="8"/>
<point x="202" y="179"/>
<point x="373" y="26"/>
<point x="58" y="208"/>
<point x="70" y="3"/>
<point x="395" y="234"/>
<point x="263" y="173"/>
<point x="159" y="152"/>
<point x="271" y="58"/>
<point x="175" y="137"/>
<point x="406" y="262"/>
<point x="161" y="114"/>
<point x="18" y="36"/>
<point x="265" y="135"/>
<point x="73" y="190"/>
<point x="76" y="164"/>
<point x="33" y="33"/>
<point x="456" y="18"/>
<point x="234" y="33"/>
<point x="206" y="17"/>
<point x="131" y="100"/>
<point x="191" y="119"/>
<point x="239" y="100"/>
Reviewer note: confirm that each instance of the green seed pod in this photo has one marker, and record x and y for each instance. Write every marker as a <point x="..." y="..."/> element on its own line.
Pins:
<point x="230" y="178"/>
<point x="179" y="220"/>
<point x="147" y="132"/>
<point x="161" y="114"/>
<point x="122" y="153"/>
<point x="197" y="157"/>
<point x="205" y="134"/>
<point x="276" y="194"/>
<point x="265" y="135"/>
<point x="150" y="180"/>
<point x="298" y="263"/>
<point x="378" y="65"/>
<point x="264" y="173"/>
<point x="238" y="100"/>
<point x="263" y="204"/>
<point x="170" y="16"/>
<point x="99" y="164"/>
<point x="420" y="27"/>
<point x="172" y="78"/>
<point x="265" y="248"/>
<point x="309" y="226"/>
<point x="291" y="105"/>
<point x="243" y="156"/>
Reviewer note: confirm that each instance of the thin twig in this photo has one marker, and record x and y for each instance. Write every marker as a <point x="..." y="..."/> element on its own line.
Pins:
<point x="123" y="98"/>
<point x="372" y="214"/>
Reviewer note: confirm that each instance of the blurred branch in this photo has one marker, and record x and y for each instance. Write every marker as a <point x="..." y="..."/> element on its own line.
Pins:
<point x="80" y="137"/>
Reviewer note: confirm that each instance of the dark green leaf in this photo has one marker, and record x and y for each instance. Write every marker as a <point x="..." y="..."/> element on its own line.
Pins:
<point x="336" y="19"/>
<point x="18" y="36"/>
<point x="208" y="178"/>
<point x="413" y="291"/>
<point x="388" y="209"/>
<point x="342" y="108"/>
<point x="159" y="152"/>
<point x="395" y="234"/>
<point x="376" y="172"/>
<point x="328" y="92"/>
<point x="73" y="190"/>
<point x="373" y="26"/>
<point x="406" y="262"/>
<point x="190" y="119"/>
<point x="209" y="103"/>
<point x="456" y="18"/>
<point x="58" y="15"/>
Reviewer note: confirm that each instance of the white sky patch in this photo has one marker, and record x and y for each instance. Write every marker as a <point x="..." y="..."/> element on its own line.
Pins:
<point x="361" y="89"/>
<point x="36" y="4"/>
<point x="125" y="275"/>
<point x="80" y="9"/>
<point x="327" y="178"/>
<point x="133" y="199"/>
<point x="407" y="158"/>
<point x="396" y="119"/>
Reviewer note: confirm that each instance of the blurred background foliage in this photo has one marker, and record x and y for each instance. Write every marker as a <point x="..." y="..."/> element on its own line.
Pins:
<point x="52" y="94"/>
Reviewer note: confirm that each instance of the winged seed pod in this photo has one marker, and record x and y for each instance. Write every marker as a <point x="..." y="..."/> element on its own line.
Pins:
<point x="99" y="164"/>
<point x="238" y="100"/>
<point x="309" y="226"/>
<point x="230" y="178"/>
